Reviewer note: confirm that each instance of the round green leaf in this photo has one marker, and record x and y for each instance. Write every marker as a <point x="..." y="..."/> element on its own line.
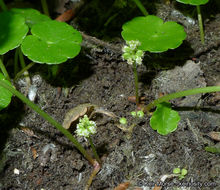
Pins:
<point x="193" y="2"/>
<point x="52" y="42"/>
<point x="12" y="31"/>
<point x="5" y="95"/>
<point x="31" y="16"/>
<point x="153" y="33"/>
<point x="164" y="119"/>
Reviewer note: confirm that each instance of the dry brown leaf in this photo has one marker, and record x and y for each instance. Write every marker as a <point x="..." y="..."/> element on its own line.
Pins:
<point x="214" y="135"/>
<point x="28" y="132"/>
<point x="122" y="186"/>
<point x="76" y="112"/>
<point x="66" y="16"/>
<point x="34" y="152"/>
<point x="157" y="187"/>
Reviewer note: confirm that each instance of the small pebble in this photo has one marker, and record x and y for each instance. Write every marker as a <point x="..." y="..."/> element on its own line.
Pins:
<point x="16" y="171"/>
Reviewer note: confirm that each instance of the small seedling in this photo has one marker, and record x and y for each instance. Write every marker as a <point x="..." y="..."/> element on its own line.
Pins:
<point x="139" y="114"/>
<point x="123" y="120"/>
<point x="123" y="124"/>
<point x="181" y="173"/>
<point x="197" y="3"/>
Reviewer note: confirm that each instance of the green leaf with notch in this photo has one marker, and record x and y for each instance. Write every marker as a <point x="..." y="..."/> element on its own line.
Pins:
<point x="153" y="33"/>
<point x="213" y="149"/>
<point x="5" y="95"/>
<point x="31" y="16"/>
<point x="12" y="31"/>
<point x="193" y="2"/>
<point x="52" y="42"/>
<point x="164" y="119"/>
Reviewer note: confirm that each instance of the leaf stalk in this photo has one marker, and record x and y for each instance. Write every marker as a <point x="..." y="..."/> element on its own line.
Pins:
<point x="181" y="94"/>
<point x="49" y="119"/>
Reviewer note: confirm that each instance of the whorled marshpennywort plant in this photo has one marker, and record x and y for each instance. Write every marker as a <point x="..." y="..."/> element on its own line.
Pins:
<point x="156" y="36"/>
<point x="134" y="57"/>
<point x="86" y="128"/>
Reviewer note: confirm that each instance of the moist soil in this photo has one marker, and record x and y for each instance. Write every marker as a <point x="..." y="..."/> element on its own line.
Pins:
<point x="47" y="160"/>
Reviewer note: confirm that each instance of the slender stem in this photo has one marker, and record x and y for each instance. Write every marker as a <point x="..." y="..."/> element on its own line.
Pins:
<point x="45" y="7"/>
<point x="16" y="62"/>
<point x="200" y="24"/>
<point x="23" y="70"/>
<point x="49" y="119"/>
<point x="4" y="71"/>
<point x="96" y="168"/>
<point x="23" y="65"/>
<point x="136" y="82"/>
<point x="21" y="58"/>
<point x="3" y="6"/>
<point x="181" y="94"/>
<point x="94" y="150"/>
<point x="141" y="7"/>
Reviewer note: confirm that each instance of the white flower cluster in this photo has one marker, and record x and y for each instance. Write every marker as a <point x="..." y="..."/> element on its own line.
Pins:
<point x="131" y="52"/>
<point x="85" y="127"/>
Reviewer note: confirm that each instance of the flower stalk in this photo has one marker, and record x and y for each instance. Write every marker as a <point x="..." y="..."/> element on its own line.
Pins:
<point x="181" y="94"/>
<point x="134" y="57"/>
<point x="200" y="24"/>
<point x="85" y="128"/>
<point x="49" y="119"/>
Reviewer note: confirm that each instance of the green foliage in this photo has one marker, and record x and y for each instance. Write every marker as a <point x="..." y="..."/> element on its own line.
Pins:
<point x="213" y="149"/>
<point x="139" y="114"/>
<point x="52" y="42"/>
<point x="5" y="95"/>
<point x="31" y="16"/>
<point x="123" y="120"/>
<point x="12" y="31"/>
<point x="164" y="119"/>
<point x="193" y="2"/>
<point x="133" y="113"/>
<point x="153" y="34"/>
<point x="176" y="170"/>
<point x="180" y="172"/>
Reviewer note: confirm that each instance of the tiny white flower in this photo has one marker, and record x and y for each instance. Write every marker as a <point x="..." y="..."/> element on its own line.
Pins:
<point x="130" y="61"/>
<point x="125" y="49"/>
<point x="85" y="127"/>
<point x="138" y="60"/>
<point x="131" y="52"/>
